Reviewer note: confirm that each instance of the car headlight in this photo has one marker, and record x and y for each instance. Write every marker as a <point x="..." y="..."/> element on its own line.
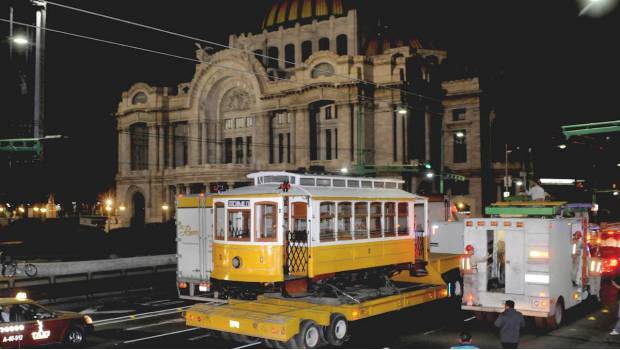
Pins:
<point x="236" y="262"/>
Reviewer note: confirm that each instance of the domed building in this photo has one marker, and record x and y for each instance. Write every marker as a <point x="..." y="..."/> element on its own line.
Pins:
<point x="314" y="89"/>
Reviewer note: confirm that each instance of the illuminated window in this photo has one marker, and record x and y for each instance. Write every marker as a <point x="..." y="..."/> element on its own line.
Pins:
<point x="344" y="220"/>
<point x="403" y="219"/>
<point x="390" y="219"/>
<point x="220" y="221"/>
<point x="327" y="211"/>
<point x="238" y="225"/>
<point x="361" y="221"/>
<point x="266" y="223"/>
<point x="460" y="146"/>
<point x="375" y="220"/>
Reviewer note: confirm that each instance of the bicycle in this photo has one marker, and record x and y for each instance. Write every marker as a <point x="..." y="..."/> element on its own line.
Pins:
<point x="11" y="269"/>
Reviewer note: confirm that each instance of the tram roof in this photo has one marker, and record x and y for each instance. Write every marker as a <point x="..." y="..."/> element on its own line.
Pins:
<point x="324" y="192"/>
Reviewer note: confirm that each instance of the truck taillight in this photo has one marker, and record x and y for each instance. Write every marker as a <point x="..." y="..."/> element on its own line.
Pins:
<point x="182" y="285"/>
<point x="539" y="254"/>
<point x="203" y="287"/>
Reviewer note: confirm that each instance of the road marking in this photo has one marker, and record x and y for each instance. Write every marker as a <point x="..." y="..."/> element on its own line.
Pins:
<point x="175" y="320"/>
<point x="433" y="331"/>
<point x="248" y="345"/>
<point x="160" y="335"/>
<point x="469" y="319"/>
<point x="199" y="337"/>
<point x="139" y="316"/>
<point x="110" y="312"/>
<point x="172" y="302"/>
<point x="148" y="303"/>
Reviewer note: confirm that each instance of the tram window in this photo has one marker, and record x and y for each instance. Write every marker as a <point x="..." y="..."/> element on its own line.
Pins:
<point x="292" y="181"/>
<point x="353" y="183"/>
<point x="390" y="219"/>
<point x="323" y="182"/>
<point x="379" y="184"/>
<point x="339" y="183"/>
<point x="403" y="219"/>
<point x="266" y="222"/>
<point x="238" y="225"/>
<point x="390" y="185"/>
<point x="220" y="221"/>
<point x="306" y="181"/>
<point x="344" y="221"/>
<point x="300" y="217"/>
<point x="361" y="221"/>
<point x="375" y="220"/>
<point x="276" y="179"/>
<point x="327" y="211"/>
<point x="367" y="184"/>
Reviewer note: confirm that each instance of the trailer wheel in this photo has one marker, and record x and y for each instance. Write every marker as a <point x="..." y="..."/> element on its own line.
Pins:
<point x="309" y="336"/>
<point x="337" y="331"/>
<point x="479" y="315"/>
<point x="556" y="319"/>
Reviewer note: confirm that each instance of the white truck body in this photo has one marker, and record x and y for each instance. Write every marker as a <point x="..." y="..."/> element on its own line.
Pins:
<point x="541" y="268"/>
<point x="447" y="237"/>
<point x="194" y="250"/>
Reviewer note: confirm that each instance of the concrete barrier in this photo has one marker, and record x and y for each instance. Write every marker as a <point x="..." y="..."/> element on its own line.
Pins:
<point x="53" y="269"/>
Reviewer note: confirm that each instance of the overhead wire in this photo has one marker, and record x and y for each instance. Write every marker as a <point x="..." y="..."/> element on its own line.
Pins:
<point x="206" y="41"/>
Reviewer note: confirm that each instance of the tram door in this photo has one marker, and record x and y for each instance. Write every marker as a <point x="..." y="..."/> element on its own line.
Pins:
<point x="296" y="240"/>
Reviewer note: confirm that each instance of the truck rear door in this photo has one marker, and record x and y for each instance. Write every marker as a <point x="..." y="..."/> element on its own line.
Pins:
<point x="515" y="262"/>
<point x="194" y="243"/>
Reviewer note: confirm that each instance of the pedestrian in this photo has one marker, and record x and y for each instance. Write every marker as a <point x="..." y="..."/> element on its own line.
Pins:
<point x="510" y="323"/>
<point x="465" y="342"/>
<point x="616" y="283"/>
<point x="537" y="192"/>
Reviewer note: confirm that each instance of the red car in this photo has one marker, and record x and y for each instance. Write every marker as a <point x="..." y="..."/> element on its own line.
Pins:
<point x="24" y="323"/>
<point x="609" y="249"/>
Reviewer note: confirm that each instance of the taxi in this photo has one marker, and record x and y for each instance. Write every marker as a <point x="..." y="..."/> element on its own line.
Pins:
<point x="24" y="323"/>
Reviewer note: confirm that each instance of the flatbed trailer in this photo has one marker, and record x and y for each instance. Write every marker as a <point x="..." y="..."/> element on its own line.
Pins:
<point x="297" y="322"/>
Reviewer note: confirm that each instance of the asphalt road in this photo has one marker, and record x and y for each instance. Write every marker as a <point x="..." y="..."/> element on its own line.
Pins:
<point x="155" y="322"/>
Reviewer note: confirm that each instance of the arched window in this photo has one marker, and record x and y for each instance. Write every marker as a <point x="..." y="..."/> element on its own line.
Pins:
<point x="140" y="97"/>
<point x="139" y="146"/>
<point x="272" y="61"/>
<point x="320" y="69"/>
<point x="289" y="56"/>
<point x="306" y="50"/>
<point x="324" y="44"/>
<point x="341" y="45"/>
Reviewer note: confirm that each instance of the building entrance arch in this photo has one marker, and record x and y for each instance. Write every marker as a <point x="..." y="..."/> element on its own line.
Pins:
<point x="139" y="210"/>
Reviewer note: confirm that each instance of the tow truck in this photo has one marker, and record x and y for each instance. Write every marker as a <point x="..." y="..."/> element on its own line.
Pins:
<point x="534" y="253"/>
<point x="300" y="322"/>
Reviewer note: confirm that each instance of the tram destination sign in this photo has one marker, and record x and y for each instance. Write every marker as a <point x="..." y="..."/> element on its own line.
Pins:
<point x="238" y="203"/>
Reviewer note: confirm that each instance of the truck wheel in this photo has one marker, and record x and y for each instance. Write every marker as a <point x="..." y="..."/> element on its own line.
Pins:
<point x="556" y="319"/>
<point x="337" y="331"/>
<point x="309" y="336"/>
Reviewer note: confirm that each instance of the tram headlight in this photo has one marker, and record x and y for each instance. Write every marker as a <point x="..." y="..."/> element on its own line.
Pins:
<point x="236" y="262"/>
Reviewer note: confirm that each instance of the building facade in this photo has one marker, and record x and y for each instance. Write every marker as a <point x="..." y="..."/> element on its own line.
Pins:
<point x="337" y="97"/>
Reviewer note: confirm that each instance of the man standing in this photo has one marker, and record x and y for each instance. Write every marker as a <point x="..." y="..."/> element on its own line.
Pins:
<point x="5" y="315"/>
<point x="510" y="323"/>
<point x="537" y="192"/>
<point x="616" y="283"/>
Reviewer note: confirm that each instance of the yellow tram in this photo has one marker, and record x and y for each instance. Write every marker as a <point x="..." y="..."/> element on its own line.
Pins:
<point x="289" y="226"/>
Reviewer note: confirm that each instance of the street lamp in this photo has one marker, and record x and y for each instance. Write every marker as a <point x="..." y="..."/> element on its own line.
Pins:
<point x="402" y="110"/>
<point x="519" y="183"/>
<point x="344" y="170"/>
<point x="459" y="134"/>
<point x="615" y="193"/>
<point x="122" y="208"/>
<point x="562" y="146"/>
<point x="165" y="207"/>
<point x="108" y="202"/>
<point x="430" y="175"/>
<point x="20" y="40"/>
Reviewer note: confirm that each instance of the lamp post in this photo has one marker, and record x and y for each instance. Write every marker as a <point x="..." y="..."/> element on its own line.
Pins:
<point x="165" y="208"/>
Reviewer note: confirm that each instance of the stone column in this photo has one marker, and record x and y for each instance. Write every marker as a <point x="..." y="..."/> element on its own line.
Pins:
<point x="383" y="135"/>
<point x="344" y="133"/>
<point x="302" y="138"/>
<point x="124" y="151"/>
<point x="160" y="147"/>
<point x="170" y="146"/>
<point x="260" y="138"/>
<point x="193" y="141"/>
<point x="152" y="147"/>
<point x="427" y="135"/>
<point x="204" y="141"/>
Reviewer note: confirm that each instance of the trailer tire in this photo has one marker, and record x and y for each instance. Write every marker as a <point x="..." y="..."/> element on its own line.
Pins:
<point x="337" y="331"/>
<point x="555" y="320"/>
<point x="309" y="336"/>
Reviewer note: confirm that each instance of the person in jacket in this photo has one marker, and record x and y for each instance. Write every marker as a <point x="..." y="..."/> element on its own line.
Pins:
<point x="510" y="323"/>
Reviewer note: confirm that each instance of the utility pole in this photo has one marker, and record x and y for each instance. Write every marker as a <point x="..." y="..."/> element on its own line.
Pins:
<point x="39" y="81"/>
<point x="10" y="34"/>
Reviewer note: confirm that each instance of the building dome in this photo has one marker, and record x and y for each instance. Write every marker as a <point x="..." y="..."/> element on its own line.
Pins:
<point x="289" y="12"/>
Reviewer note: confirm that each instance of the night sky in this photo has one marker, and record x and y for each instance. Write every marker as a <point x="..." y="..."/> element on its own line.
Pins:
<point x="542" y="65"/>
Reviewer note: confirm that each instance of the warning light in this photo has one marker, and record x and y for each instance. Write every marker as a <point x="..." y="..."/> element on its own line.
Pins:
<point x="182" y="285"/>
<point x="469" y="248"/>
